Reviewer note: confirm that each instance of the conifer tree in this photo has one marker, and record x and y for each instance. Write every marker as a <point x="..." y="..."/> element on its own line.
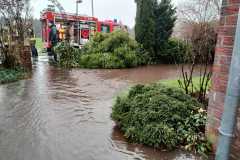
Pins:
<point x="165" y="18"/>
<point x="145" y="24"/>
<point x="154" y="25"/>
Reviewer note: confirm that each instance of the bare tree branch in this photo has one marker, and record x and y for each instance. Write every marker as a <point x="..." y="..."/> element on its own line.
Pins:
<point x="15" y="16"/>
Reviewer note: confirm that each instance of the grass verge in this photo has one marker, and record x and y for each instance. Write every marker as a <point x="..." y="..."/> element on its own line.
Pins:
<point x="174" y="83"/>
<point x="39" y="45"/>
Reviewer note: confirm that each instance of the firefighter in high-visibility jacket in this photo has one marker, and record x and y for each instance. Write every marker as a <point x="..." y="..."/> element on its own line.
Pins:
<point x="61" y="34"/>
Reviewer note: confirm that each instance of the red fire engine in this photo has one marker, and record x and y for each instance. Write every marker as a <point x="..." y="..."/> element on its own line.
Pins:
<point x="80" y="28"/>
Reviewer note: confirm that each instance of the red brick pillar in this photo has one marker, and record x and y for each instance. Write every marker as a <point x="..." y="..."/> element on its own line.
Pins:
<point x="25" y="58"/>
<point x="226" y="37"/>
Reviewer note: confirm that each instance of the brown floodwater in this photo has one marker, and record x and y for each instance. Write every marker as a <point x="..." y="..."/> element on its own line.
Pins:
<point x="65" y="115"/>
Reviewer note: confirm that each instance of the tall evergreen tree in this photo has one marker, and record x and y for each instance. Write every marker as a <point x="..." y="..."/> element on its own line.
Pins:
<point x="145" y="24"/>
<point x="165" y="18"/>
<point x="154" y="25"/>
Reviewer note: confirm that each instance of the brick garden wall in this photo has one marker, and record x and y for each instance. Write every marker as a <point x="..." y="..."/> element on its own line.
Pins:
<point x="25" y="58"/>
<point x="226" y="36"/>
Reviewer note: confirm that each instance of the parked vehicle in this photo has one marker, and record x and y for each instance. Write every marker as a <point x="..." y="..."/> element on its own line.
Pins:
<point x="77" y="29"/>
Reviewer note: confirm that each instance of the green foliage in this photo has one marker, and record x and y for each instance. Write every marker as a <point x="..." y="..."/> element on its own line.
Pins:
<point x="11" y="75"/>
<point x="68" y="55"/>
<point x="161" y="116"/>
<point x="39" y="45"/>
<point x="165" y="17"/>
<point x="145" y="24"/>
<point x="174" y="51"/>
<point x="154" y="26"/>
<point x="105" y="50"/>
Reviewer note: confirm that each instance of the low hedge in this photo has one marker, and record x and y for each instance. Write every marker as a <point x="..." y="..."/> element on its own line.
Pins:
<point x="162" y="117"/>
<point x="104" y="50"/>
<point x="11" y="75"/>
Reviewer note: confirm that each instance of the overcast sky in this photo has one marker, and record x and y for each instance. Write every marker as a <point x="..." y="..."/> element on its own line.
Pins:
<point x="124" y="10"/>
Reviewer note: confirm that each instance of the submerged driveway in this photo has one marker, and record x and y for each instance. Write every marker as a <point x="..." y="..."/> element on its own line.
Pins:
<point x="65" y="115"/>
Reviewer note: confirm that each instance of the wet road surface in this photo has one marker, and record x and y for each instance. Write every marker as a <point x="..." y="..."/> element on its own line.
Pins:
<point x="65" y="115"/>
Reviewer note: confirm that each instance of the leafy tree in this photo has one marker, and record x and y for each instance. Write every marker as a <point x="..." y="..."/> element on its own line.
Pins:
<point x="165" y="18"/>
<point x="145" y="24"/>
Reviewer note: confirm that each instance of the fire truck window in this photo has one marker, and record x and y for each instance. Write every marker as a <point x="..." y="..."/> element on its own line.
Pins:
<point x="105" y="28"/>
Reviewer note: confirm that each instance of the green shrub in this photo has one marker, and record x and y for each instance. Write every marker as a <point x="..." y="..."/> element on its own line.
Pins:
<point x="92" y="60"/>
<point x="161" y="116"/>
<point x="114" y="50"/>
<point x="104" y="50"/>
<point x="174" y="51"/>
<point x="11" y="75"/>
<point x="68" y="55"/>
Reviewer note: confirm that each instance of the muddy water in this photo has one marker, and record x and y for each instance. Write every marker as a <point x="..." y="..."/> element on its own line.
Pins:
<point x="65" y="115"/>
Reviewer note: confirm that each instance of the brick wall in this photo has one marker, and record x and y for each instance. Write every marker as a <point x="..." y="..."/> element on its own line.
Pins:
<point x="25" y="58"/>
<point x="226" y="36"/>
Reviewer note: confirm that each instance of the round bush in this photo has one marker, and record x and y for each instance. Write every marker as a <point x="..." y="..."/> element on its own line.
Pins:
<point x="174" y="51"/>
<point x="104" y="50"/>
<point x="161" y="116"/>
<point x="117" y="50"/>
<point x="68" y="55"/>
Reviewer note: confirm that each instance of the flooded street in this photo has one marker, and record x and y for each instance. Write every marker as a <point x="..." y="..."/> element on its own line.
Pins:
<point x="65" y="115"/>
